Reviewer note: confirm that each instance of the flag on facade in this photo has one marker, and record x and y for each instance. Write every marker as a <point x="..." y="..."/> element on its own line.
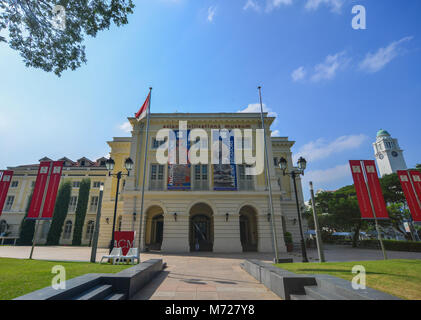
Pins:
<point x="144" y="109"/>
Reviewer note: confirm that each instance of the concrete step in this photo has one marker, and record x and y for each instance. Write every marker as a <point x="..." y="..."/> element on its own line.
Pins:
<point x="318" y="293"/>
<point x="96" y="293"/>
<point x="116" y="296"/>
<point x="340" y="287"/>
<point x="300" y="297"/>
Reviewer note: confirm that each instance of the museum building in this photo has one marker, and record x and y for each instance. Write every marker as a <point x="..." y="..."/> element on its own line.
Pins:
<point x="193" y="207"/>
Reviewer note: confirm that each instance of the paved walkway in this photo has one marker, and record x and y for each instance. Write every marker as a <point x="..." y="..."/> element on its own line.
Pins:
<point x="198" y="277"/>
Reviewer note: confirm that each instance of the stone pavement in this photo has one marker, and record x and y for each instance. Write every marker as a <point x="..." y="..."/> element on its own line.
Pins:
<point x="201" y="277"/>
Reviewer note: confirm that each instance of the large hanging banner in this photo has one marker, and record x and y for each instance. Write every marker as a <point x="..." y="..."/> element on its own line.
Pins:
<point x="53" y="184"/>
<point x="5" y="180"/>
<point x="361" y="189"/>
<point x="225" y="175"/>
<point x="39" y="189"/>
<point x="411" y="193"/>
<point x="375" y="189"/>
<point x="179" y="174"/>
<point x="358" y="168"/>
<point x="124" y="240"/>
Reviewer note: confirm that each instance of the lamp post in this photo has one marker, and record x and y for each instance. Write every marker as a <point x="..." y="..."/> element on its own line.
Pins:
<point x="128" y="164"/>
<point x="302" y="164"/>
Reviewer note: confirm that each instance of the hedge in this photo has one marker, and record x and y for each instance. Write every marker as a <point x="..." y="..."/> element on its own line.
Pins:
<point x="27" y="228"/>
<point x="392" y="245"/>
<point x="82" y="206"/>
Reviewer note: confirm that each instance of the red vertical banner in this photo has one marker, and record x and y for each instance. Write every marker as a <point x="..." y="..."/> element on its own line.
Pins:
<point x="124" y="240"/>
<point x="38" y="193"/>
<point x="375" y="189"/>
<point x="54" y="182"/>
<point x="5" y="180"/>
<point x="361" y="189"/>
<point x="408" y="190"/>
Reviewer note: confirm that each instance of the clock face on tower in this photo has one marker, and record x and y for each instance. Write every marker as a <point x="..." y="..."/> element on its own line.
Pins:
<point x="381" y="156"/>
<point x="394" y="153"/>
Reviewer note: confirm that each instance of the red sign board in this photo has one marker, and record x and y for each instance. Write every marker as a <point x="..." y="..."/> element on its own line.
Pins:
<point x="54" y="182"/>
<point x="375" y="189"/>
<point x="39" y="188"/>
<point x="368" y="166"/>
<point x="5" y="180"/>
<point x="409" y="191"/>
<point x="124" y="240"/>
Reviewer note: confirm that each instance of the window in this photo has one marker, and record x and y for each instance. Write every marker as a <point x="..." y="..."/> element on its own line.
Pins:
<point x="14" y="184"/>
<point x="275" y="162"/>
<point x="82" y="163"/>
<point x="9" y="203"/>
<point x="96" y="184"/>
<point x="119" y="221"/>
<point x="72" y="204"/>
<point x="94" y="204"/>
<point x="67" y="229"/>
<point x="3" y="227"/>
<point x="156" y="143"/>
<point x="201" y="177"/>
<point x="89" y="229"/>
<point x="245" y="181"/>
<point x="76" y="184"/>
<point x="157" y="177"/>
<point x="32" y="184"/>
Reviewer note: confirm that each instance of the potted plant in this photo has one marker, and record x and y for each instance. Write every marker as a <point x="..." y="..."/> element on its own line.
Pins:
<point x="288" y="241"/>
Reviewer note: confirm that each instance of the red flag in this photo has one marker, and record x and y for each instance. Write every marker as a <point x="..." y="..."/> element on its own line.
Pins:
<point x="50" y="198"/>
<point x="361" y="189"/>
<point x="5" y="180"/>
<point x="410" y="193"/>
<point x="144" y="109"/>
<point x="39" y="189"/>
<point x="375" y="190"/>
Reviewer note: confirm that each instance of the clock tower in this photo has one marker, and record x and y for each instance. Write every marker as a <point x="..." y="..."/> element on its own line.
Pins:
<point x="388" y="154"/>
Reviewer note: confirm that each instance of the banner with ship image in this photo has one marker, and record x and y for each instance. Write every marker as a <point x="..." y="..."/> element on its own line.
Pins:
<point x="225" y="175"/>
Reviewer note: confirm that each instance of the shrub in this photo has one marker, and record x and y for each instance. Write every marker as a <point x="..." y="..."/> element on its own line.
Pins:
<point x="27" y="228"/>
<point x="287" y="237"/>
<point x="82" y="205"/>
<point x="60" y="213"/>
<point x="392" y="245"/>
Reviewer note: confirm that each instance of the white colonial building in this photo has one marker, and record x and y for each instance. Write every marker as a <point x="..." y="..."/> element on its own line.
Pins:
<point x="388" y="154"/>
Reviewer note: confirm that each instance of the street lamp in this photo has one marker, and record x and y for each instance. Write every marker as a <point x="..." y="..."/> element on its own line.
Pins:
<point x="302" y="164"/>
<point x="128" y="164"/>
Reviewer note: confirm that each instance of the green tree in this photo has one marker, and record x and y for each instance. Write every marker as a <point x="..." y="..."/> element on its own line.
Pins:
<point x="60" y="213"/>
<point x="27" y="227"/>
<point x="392" y="189"/>
<point x="82" y="205"/>
<point x="50" y="38"/>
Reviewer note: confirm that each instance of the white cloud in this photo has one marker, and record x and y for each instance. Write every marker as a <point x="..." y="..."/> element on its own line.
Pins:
<point x="320" y="149"/>
<point x="327" y="70"/>
<point x="251" y="4"/>
<point x="211" y="13"/>
<point x="298" y="74"/>
<point x="275" y="4"/>
<point x="335" y="5"/>
<point x="276" y="133"/>
<point x="126" y="127"/>
<point x="327" y="175"/>
<point x="255" y="107"/>
<point x="375" y="62"/>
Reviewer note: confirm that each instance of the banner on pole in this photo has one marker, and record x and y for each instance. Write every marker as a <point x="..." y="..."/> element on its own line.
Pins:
<point x="5" y="180"/>
<point x="39" y="189"/>
<point x="410" y="193"/>
<point x="124" y="240"/>
<point x="361" y="189"/>
<point x="375" y="189"/>
<point x="54" y="182"/>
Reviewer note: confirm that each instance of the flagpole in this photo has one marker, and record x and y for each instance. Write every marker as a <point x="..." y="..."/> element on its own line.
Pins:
<point x="275" y="241"/>
<point x="144" y="167"/>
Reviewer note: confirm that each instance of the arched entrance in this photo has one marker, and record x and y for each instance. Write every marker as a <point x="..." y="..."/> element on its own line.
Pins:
<point x="154" y="228"/>
<point x="201" y="228"/>
<point x="248" y="228"/>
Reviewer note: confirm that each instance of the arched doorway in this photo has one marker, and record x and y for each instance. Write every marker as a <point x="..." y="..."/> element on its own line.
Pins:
<point x="201" y="228"/>
<point x="248" y="228"/>
<point x="154" y="228"/>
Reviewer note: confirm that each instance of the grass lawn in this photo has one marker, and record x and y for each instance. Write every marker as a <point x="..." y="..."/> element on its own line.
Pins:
<point x="401" y="278"/>
<point x="19" y="277"/>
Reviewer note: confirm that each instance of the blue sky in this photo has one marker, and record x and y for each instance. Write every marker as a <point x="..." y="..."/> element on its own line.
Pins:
<point x="331" y="87"/>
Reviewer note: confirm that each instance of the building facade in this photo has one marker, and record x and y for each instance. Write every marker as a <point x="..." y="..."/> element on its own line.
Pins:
<point x="192" y="207"/>
<point x="389" y="155"/>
